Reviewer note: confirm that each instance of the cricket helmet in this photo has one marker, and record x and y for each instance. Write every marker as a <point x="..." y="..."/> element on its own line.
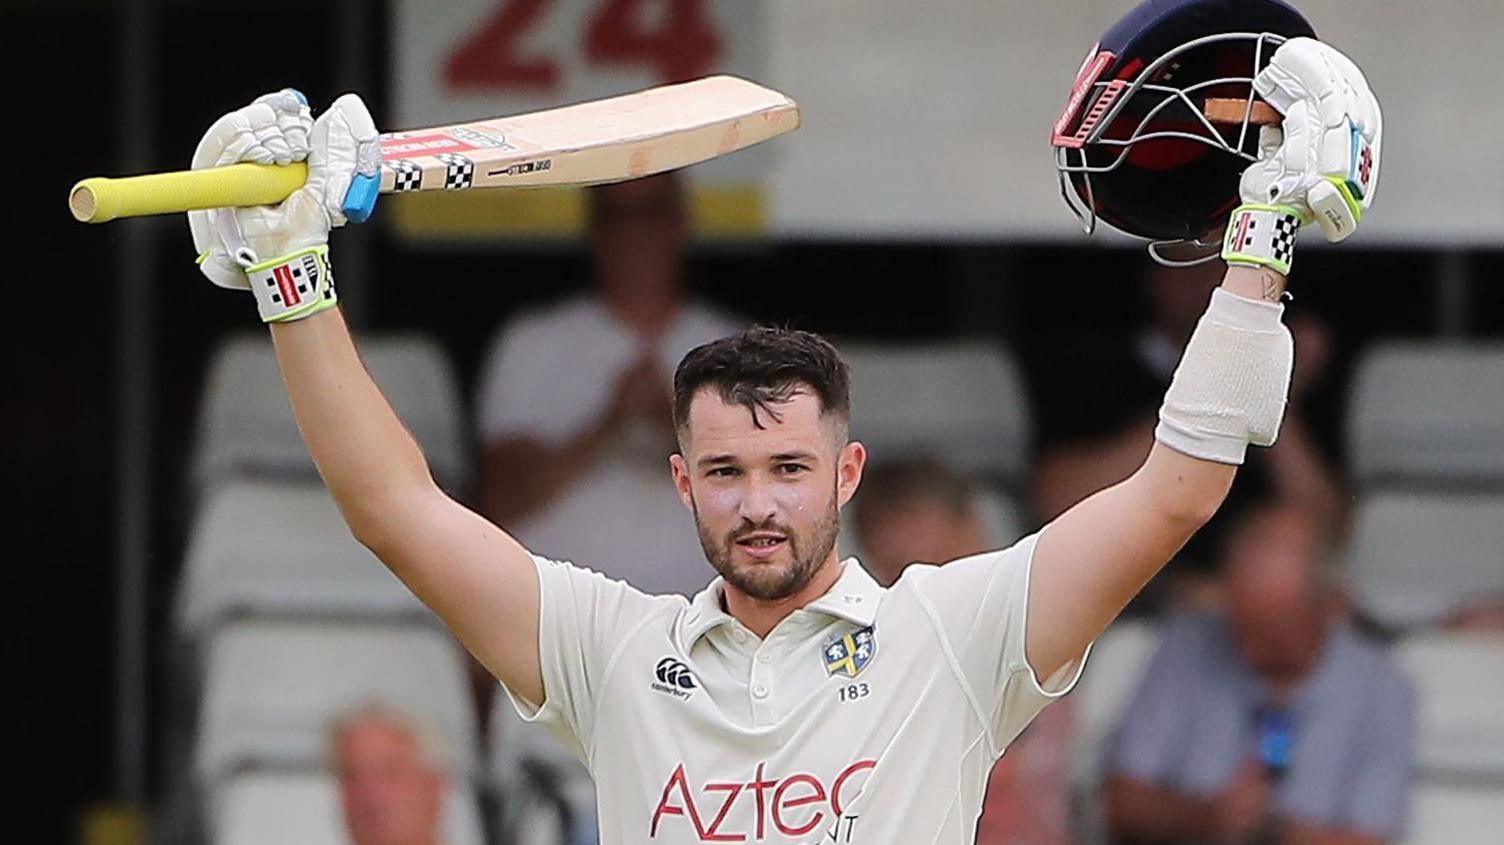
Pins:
<point x="1133" y="146"/>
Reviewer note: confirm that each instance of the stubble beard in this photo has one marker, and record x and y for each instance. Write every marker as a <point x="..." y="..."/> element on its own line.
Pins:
<point x="769" y="580"/>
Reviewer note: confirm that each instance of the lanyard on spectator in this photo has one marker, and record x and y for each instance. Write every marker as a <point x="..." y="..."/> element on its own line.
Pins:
<point x="1276" y="732"/>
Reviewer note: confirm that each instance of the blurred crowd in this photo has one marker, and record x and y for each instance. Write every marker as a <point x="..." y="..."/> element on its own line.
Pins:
<point x="1264" y="707"/>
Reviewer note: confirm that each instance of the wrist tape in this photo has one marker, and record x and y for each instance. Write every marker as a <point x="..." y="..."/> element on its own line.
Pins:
<point x="1262" y="236"/>
<point x="1232" y="382"/>
<point x="294" y="286"/>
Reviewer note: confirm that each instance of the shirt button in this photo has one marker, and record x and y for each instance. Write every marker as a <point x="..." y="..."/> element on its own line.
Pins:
<point x="760" y="691"/>
<point x="765" y="658"/>
<point x="738" y="635"/>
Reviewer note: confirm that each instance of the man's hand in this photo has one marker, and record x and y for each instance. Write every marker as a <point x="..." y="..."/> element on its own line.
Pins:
<point x="1243" y="807"/>
<point x="1324" y="160"/>
<point x="640" y="394"/>
<point x="1322" y="164"/>
<point x="281" y="252"/>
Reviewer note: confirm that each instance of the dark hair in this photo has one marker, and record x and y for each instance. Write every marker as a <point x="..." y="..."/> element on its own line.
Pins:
<point x="764" y="365"/>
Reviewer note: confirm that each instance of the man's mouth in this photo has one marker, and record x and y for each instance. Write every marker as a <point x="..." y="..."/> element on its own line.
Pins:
<point x="762" y="543"/>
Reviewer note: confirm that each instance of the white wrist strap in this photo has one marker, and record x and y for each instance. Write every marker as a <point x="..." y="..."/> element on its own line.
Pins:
<point x="1232" y="382"/>
<point x="1262" y="236"/>
<point x="294" y="286"/>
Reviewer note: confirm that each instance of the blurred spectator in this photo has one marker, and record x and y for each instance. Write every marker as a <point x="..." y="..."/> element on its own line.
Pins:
<point x="1270" y="720"/>
<point x="920" y="511"/>
<point x="393" y="777"/>
<point x="1101" y="434"/>
<point x="577" y="467"/>
<point x="915" y="510"/>
<point x="1485" y="614"/>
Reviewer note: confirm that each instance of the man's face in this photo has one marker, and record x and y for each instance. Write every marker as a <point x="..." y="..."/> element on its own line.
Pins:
<point x="639" y="234"/>
<point x="1274" y="601"/>
<point x="766" y="499"/>
<point x="391" y="796"/>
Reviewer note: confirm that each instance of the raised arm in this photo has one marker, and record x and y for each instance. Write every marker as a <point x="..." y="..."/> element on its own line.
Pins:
<point x="1230" y="390"/>
<point x="1097" y="555"/>
<point x="480" y="581"/>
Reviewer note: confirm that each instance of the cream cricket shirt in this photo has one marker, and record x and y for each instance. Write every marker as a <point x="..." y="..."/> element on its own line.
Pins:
<point x="870" y="716"/>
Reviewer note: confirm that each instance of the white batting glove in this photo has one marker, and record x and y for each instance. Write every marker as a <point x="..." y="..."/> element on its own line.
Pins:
<point x="281" y="252"/>
<point x="1321" y="165"/>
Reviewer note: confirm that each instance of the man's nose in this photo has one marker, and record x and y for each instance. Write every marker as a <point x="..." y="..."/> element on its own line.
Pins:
<point x="758" y="505"/>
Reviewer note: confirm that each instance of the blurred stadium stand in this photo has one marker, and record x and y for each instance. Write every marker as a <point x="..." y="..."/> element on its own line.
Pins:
<point x="272" y="689"/>
<point x="246" y="427"/>
<point x="274" y="548"/>
<point x="1414" y="557"/>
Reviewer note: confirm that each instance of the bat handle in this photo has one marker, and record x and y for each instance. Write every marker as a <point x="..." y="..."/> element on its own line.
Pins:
<point x="99" y="199"/>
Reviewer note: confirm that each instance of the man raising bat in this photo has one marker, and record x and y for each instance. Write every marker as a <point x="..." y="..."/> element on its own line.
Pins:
<point x="793" y="700"/>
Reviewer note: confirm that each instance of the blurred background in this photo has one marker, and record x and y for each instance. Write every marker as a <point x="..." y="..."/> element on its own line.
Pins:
<point x="198" y="652"/>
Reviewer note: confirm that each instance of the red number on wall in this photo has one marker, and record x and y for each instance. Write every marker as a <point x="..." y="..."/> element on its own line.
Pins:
<point x="491" y="57"/>
<point x="682" y="47"/>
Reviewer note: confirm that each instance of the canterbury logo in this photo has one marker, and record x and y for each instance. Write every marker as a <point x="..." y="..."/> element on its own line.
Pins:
<point x="674" y="678"/>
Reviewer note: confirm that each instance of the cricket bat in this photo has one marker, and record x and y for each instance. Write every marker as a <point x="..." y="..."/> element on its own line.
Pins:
<point x="608" y="140"/>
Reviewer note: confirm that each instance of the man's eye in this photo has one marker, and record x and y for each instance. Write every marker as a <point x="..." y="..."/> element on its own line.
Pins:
<point x="791" y="469"/>
<point x="724" y="472"/>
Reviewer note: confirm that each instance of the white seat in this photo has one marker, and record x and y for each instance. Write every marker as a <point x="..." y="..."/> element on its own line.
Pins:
<point x="1112" y="677"/>
<point x="1442" y="814"/>
<point x="1428" y="413"/>
<point x="537" y="779"/>
<point x="1459" y="679"/>
<point x="1412" y="557"/>
<point x="962" y="403"/>
<point x="245" y="426"/>
<point x="278" y="548"/>
<point x="272" y="688"/>
<point x="261" y="808"/>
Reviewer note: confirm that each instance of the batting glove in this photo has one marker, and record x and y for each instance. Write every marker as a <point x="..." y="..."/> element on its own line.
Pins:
<point x="281" y="252"/>
<point x="1321" y="164"/>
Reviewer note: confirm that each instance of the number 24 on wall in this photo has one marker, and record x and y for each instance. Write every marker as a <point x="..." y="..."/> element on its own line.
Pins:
<point x="680" y="45"/>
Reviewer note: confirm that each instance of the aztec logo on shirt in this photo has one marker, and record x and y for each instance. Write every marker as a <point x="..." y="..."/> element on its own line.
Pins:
<point x="674" y="678"/>
<point x="850" y="654"/>
<point x="760" y="807"/>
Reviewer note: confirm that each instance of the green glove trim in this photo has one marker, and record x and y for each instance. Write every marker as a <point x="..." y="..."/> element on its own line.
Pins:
<point x="293" y="286"/>
<point x="1262" y="236"/>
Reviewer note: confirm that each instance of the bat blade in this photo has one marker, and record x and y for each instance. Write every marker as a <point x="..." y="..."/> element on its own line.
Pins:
<point x="601" y="141"/>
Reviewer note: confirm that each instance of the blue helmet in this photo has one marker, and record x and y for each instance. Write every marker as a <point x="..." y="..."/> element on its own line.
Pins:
<point x="1133" y="147"/>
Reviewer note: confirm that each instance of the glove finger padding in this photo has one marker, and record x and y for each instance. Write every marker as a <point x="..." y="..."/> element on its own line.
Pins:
<point x="1332" y="128"/>
<point x="344" y="142"/>
<point x="273" y="129"/>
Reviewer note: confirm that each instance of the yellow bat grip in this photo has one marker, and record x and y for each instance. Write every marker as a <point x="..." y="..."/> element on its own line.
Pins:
<point x="99" y="199"/>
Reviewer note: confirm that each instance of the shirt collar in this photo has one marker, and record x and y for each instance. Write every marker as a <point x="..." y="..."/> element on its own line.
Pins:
<point x="854" y="597"/>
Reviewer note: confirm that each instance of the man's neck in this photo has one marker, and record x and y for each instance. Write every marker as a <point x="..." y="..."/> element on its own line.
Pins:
<point x="761" y="616"/>
<point x="644" y="317"/>
<point x="1286" y="684"/>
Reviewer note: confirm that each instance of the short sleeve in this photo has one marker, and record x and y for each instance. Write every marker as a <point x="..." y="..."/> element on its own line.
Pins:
<point x="584" y="621"/>
<point x="981" y="605"/>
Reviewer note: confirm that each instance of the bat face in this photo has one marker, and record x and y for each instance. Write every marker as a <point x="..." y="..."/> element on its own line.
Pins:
<point x="603" y="141"/>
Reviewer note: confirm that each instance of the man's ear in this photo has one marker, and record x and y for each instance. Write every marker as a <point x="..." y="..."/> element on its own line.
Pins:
<point x="849" y="465"/>
<point x="680" y="469"/>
